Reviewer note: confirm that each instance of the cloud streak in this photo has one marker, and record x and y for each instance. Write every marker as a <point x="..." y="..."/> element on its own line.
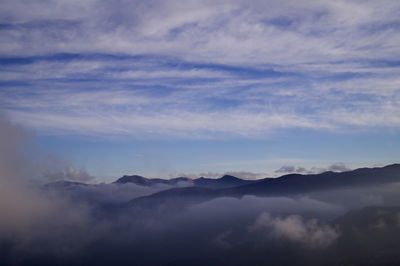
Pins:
<point x="227" y="69"/>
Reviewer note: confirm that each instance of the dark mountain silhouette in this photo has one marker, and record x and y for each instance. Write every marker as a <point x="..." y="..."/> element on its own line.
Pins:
<point x="64" y="185"/>
<point x="173" y="199"/>
<point x="377" y="217"/>
<point x="143" y="181"/>
<point x="292" y="184"/>
<point x="369" y="236"/>
<point x="158" y="224"/>
<point x="226" y="181"/>
<point x="136" y="179"/>
<point x="299" y="184"/>
<point x="204" y="189"/>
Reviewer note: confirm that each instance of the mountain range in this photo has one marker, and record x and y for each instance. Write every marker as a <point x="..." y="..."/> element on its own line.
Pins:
<point x="287" y="185"/>
<point x="185" y="191"/>
<point x="290" y="183"/>
<point x="223" y="182"/>
<point x="331" y="218"/>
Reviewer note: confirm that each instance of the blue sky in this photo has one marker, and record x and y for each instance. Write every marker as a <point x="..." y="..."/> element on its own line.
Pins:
<point x="167" y="88"/>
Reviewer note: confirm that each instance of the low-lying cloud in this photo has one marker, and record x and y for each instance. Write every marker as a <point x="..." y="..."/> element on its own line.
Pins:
<point x="28" y="216"/>
<point x="69" y="174"/>
<point x="336" y="167"/>
<point x="294" y="228"/>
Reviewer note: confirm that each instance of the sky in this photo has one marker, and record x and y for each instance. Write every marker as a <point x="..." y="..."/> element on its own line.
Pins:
<point x="172" y="88"/>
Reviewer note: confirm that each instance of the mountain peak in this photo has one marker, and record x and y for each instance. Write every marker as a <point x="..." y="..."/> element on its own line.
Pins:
<point x="137" y="179"/>
<point x="181" y="178"/>
<point x="394" y="166"/>
<point x="229" y="178"/>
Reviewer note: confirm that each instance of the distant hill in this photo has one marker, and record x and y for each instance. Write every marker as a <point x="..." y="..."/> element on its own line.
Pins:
<point x="369" y="236"/>
<point x="143" y="181"/>
<point x="299" y="184"/>
<point x="204" y="189"/>
<point x="64" y="185"/>
<point x="227" y="181"/>
<point x="293" y="184"/>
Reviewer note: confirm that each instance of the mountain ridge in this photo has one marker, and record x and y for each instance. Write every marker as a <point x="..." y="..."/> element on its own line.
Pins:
<point x="291" y="184"/>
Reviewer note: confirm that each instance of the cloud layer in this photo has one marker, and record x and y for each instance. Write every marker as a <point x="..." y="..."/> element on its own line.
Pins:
<point x="200" y="69"/>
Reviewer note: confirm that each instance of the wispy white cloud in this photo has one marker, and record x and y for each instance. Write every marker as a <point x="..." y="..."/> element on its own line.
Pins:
<point x="190" y="114"/>
<point x="175" y="123"/>
<point x="222" y="31"/>
<point x="201" y="69"/>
